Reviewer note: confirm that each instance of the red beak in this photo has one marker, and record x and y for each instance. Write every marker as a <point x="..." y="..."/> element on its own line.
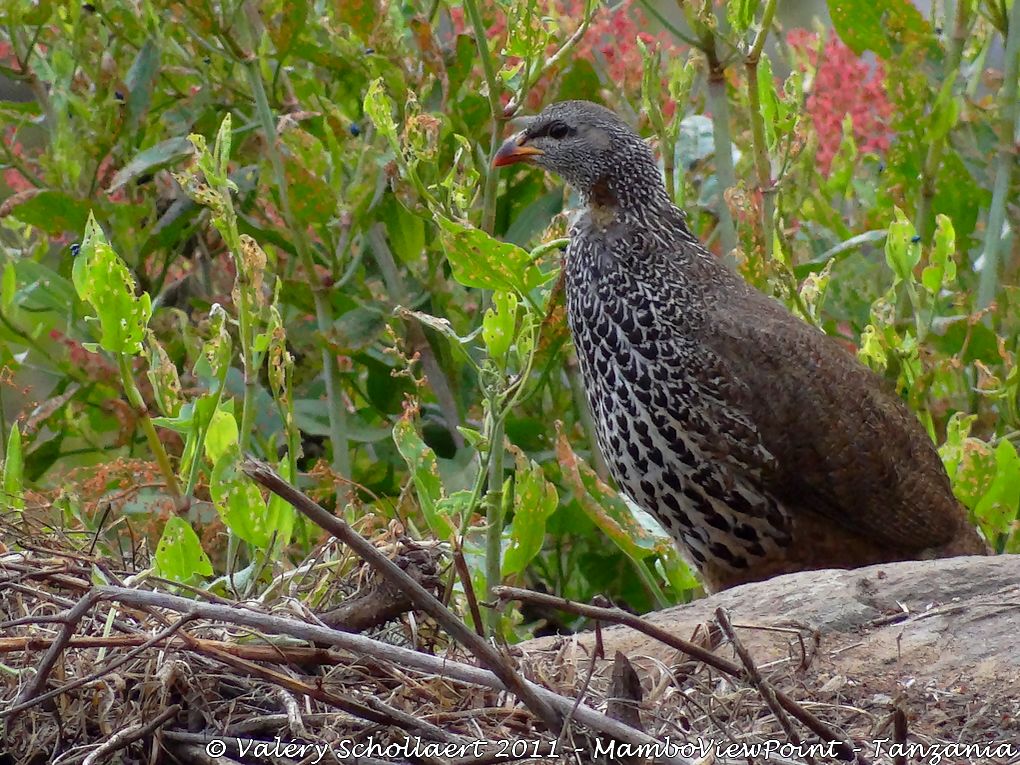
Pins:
<point x="514" y="150"/>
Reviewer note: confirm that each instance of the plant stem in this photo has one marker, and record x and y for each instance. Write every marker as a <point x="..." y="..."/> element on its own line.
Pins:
<point x="492" y="84"/>
<point x="553" y="60"/>
<point x="721" y="140"/>
<point x="494" y="516"/>
<point x="762" y="164"/>
<point x="323" y="317"/>
<point x="961" y="23"/>
<point x="250" y="369"/>
<point x="988" y="284"/>
<point x="138" y="403"/>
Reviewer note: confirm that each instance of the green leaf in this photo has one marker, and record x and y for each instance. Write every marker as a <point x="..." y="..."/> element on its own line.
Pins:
<point x="357" y="329"/>
<point x="104" y="282"/>
<point x="362" y="16"/>
<point x="772" y="108"/>
<point x="239" y="501"/>
<point x="740" y="14"/>
<point x="14" y="472"/>
<point x="163" y="154"/>
<point x="607" y="509"/>
<point x="479" y="260"/>
<point x="286" y="27"/>
<point x="535" y="499"/>
<point x="162" y="374"/>
<point x="902" y="251"/>
<point x="51" y="211"/>
<point x="280" y="514"/>
<point x="875" y="24"/>
<point x="498" y="326"/>
<point x="405" y="231"/>
<point x="191" y="421"/>
<point x="421" y="461"/>
<point x="997" y="509"/>
<point x="941" y="270"/>
<point x="140" y="79"/>
<point x="459" y="345"/>
<point x="944" y="113"/>
<point x="379" y="107"/>
<point x="179" y="554"/>
<point x="221" y="436"/>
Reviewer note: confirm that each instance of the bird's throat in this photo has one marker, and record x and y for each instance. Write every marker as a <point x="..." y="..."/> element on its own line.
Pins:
<point x="603" y="204"/>
<point x="640" y="197"/>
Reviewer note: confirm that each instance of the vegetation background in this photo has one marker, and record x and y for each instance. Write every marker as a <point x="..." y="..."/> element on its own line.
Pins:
<point x="273" y="227"/>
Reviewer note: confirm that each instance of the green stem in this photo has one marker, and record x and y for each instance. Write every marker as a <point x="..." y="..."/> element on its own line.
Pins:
<point x="494" y="516"/>
<point x="492" y="84"/>
<point x="988" y="284"/>
<point x="250" y="369"/>
<point x="933" y="159"/>
<point x="553" y="60"/>
<point x="138" y="403"/>
<point x="762" y="164"/>
<point x="323" y="318"/>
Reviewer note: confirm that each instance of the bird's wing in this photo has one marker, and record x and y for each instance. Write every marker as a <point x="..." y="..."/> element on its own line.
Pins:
<point x="844" y="445"/>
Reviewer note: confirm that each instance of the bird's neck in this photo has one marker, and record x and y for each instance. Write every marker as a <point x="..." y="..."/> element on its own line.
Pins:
<point x="640" y="199"/>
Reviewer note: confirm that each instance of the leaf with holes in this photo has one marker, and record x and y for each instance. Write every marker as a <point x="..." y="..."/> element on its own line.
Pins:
<point x="479" y="260"/>
<point x="425" y="473"/>
<point x="179" y="554"/>
<point x="104" y="282"/>
<point x="535" y="499"/>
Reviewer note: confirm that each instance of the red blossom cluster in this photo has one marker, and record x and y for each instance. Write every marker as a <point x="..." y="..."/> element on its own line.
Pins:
<point x="843" y="84"/>
<point x="613" y="34"/>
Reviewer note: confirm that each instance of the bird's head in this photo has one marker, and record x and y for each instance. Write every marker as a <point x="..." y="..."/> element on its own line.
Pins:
<point x="590" y="147"/>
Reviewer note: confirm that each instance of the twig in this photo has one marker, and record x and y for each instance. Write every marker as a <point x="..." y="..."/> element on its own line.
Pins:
<point x="900" y="734"/>
<point x="765" y="690"/>
<point x="358" y="644"/>
<point x="122" y="738"/>
<point x="372" y="710"/>
<point x="845" y="749"/>
<point x="422" y="598"/>
<point x="469" y="589"/>
<point x="28" y="699"/>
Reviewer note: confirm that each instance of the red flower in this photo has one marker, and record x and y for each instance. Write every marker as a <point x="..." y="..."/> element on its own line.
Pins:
<point x="843" y="84"/>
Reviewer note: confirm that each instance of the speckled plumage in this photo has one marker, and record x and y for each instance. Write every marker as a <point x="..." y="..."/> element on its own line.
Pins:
<point x="760" y="445"/>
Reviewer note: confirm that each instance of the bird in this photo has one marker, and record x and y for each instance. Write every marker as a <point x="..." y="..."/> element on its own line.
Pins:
<point x="760" y="444"/>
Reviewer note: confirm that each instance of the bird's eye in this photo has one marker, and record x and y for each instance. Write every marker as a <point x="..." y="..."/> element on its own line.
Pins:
<point x="558" y="130"/>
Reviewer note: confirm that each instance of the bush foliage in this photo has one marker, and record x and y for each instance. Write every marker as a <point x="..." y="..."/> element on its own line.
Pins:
<point x="274" y="228"/>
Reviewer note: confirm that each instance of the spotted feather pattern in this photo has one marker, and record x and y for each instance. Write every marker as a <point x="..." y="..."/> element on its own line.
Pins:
<point x="662" y="405"/>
